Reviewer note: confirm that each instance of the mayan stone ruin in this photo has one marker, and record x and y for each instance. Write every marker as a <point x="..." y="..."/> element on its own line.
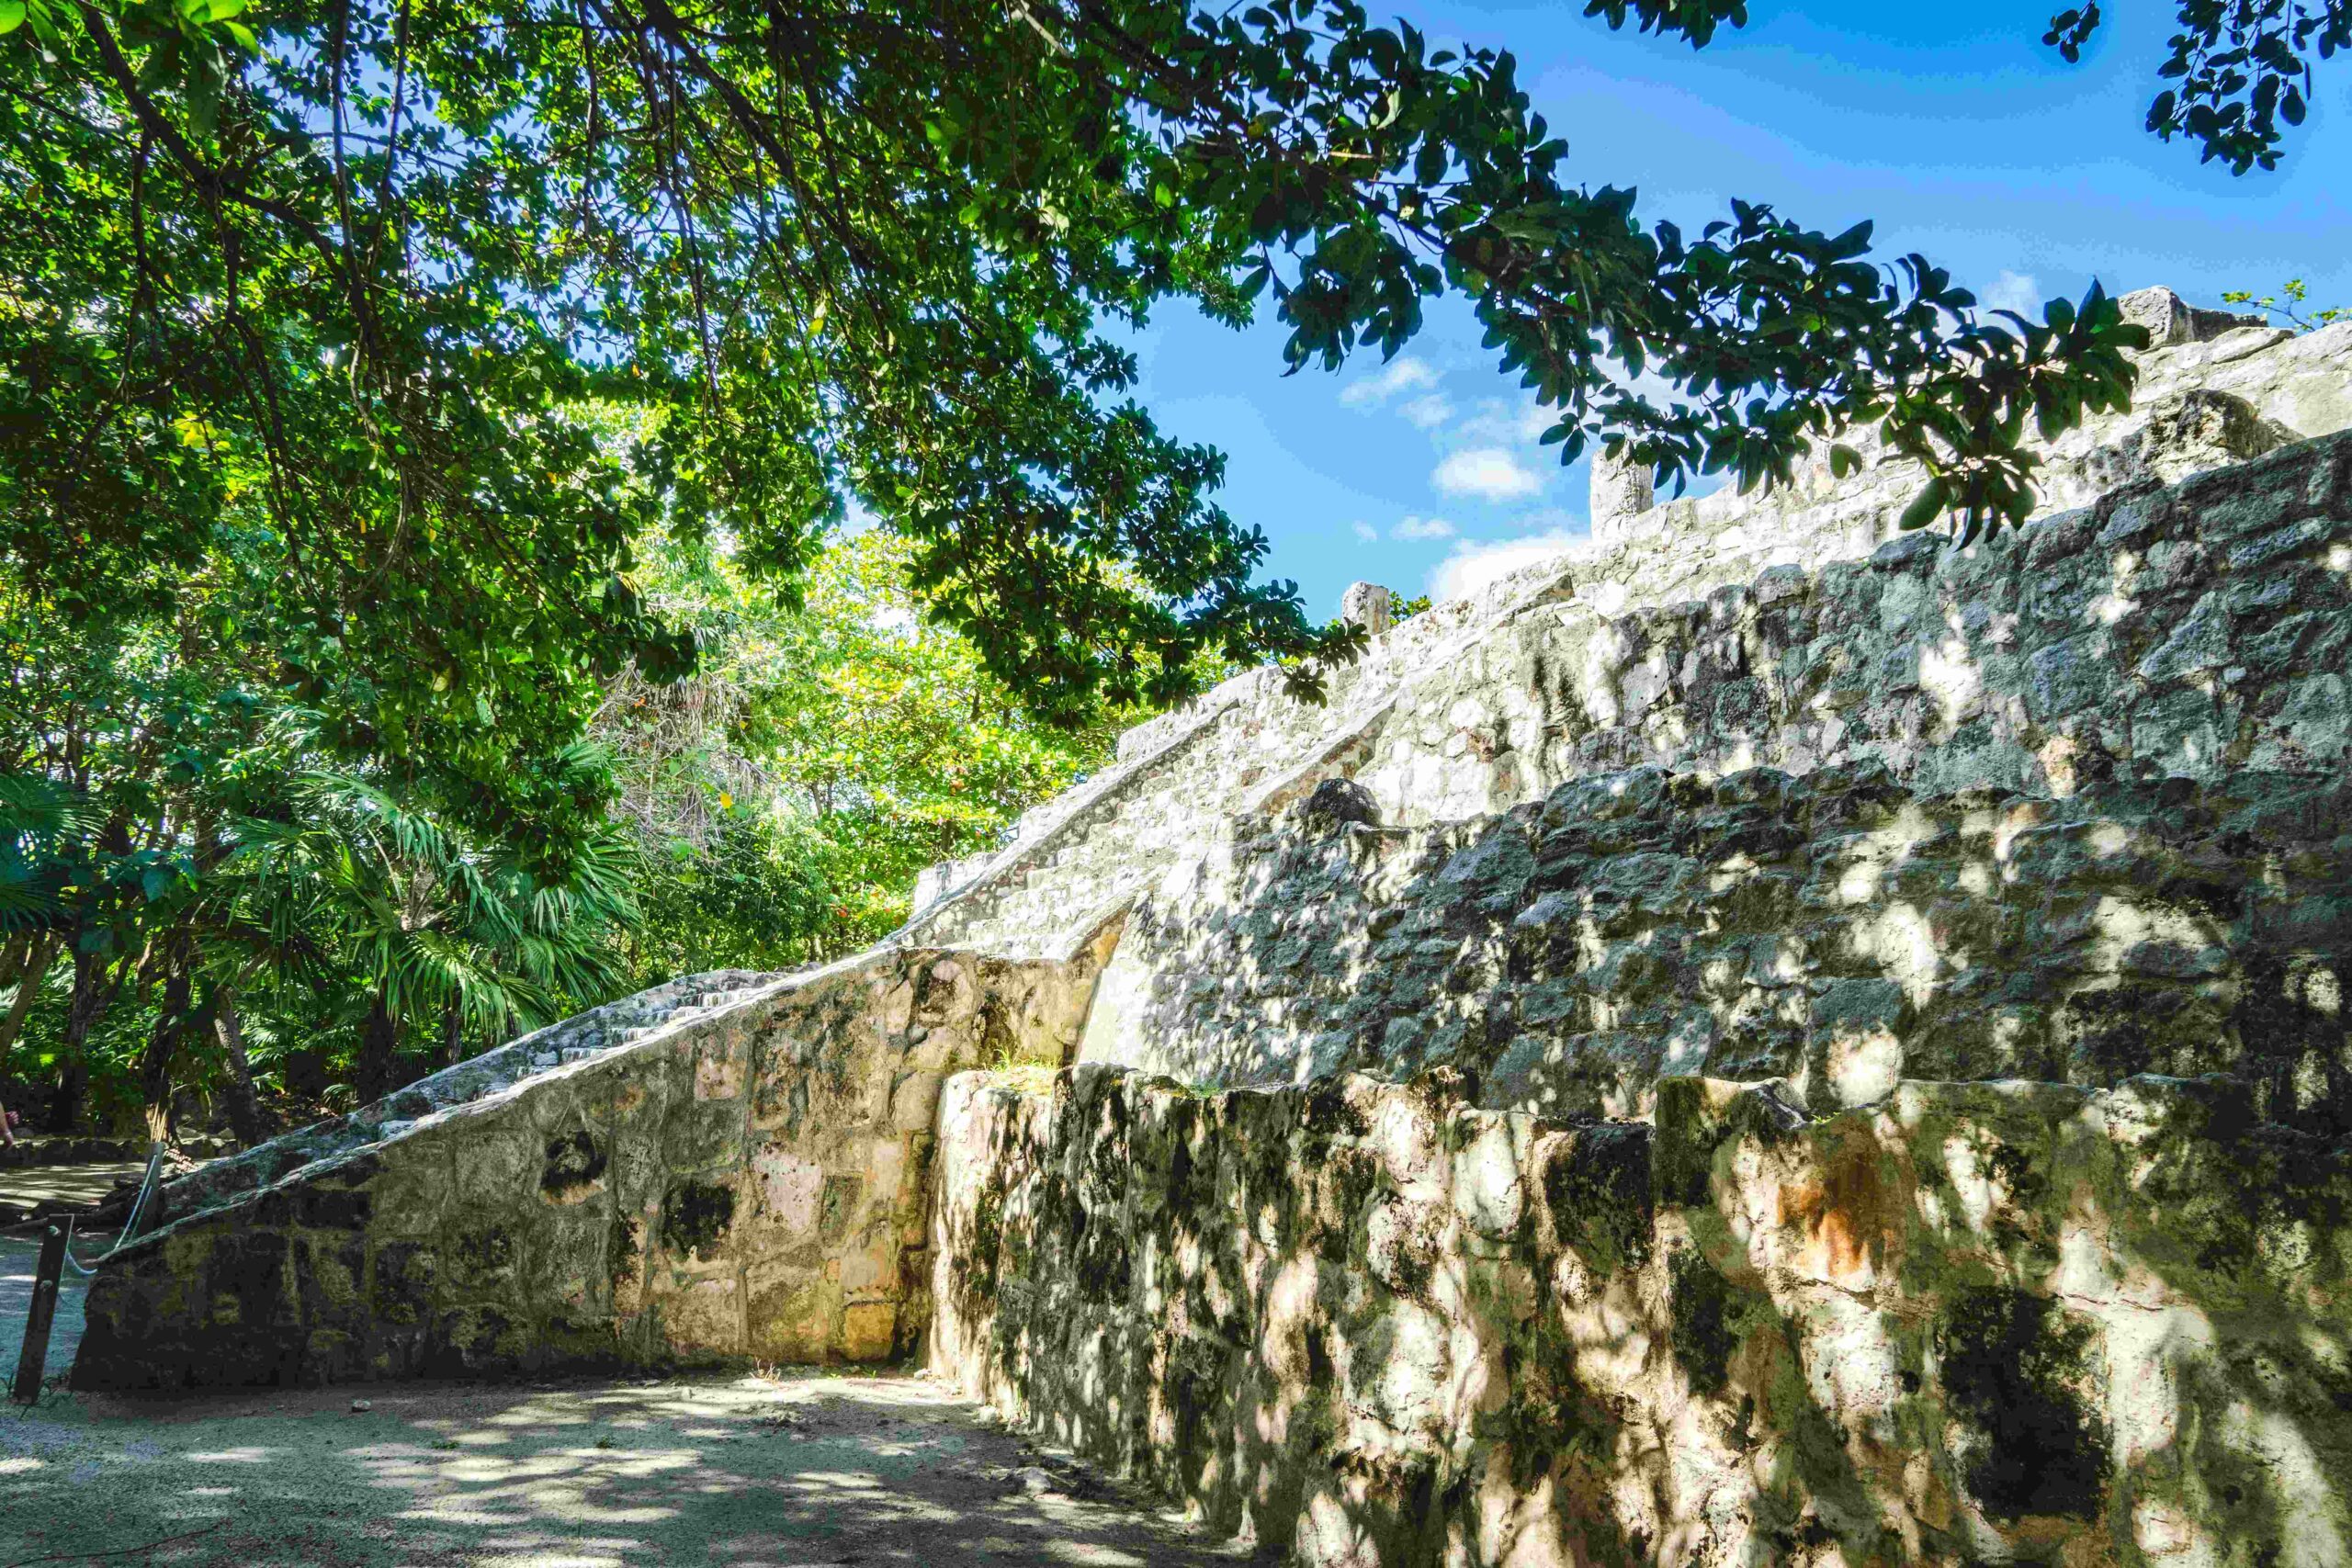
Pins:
<point x="1765" y="1039"/>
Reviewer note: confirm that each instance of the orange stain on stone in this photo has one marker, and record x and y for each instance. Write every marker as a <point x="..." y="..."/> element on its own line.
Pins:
<point x="1851" y="1215"/>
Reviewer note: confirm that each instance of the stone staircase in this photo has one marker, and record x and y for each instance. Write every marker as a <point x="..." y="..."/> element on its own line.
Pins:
<point x="1527" y="658"/>
<point x="503" y="1072"/>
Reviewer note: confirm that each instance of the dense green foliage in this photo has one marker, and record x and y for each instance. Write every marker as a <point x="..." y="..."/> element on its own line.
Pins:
<point x="255" y="921"/>
<point x="819" y="759"/>
<point x="394" y="392"/>
<point x="2241" y="69"/>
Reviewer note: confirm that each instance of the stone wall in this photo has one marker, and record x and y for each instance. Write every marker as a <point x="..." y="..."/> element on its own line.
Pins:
<point x="2200" y="403"/>
<point x="2080" y="816"/>
<point x="750" y="1183"/>
<point x="1835" y="931"/>
<point x="494" y="1075"/>
<point x="2184" y="630"/>
<point x="1081" y="857"/>
<point x="1482" y="704"/>
<point x="1361" y="1324"/>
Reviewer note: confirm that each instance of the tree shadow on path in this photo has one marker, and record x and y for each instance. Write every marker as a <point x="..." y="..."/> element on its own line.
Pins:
<point x="796" y="1470"/>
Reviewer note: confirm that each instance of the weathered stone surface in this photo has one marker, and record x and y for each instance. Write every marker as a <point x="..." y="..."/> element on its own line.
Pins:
<point x="1835" y="930"/>
<point x="1362" y="1324"/>
<point x="1734" y="631"/>
<point x="1622" y="489"/>
<point x="2170" y="319"/>
<point x="1367" y="604"/>
<point x="748" y="1182"/>
<point x="494" y="1073"/>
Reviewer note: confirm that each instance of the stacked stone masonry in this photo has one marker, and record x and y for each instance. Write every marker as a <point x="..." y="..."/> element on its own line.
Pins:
<point x="1360" y="1322"/>
<point x="1755" y="1041"/>
<point x="1486" y="703"/>
<point x="748" y="1183"/>
<point x="1837" y="932"/>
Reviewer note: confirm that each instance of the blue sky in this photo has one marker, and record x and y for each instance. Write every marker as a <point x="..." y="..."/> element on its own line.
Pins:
<point x="1948" y="124"/>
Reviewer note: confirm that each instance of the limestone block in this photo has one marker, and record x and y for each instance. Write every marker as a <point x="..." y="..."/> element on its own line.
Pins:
<point x="1855" y="1055"/>
<point x="718" y="1065"/>
<point x="793" y="1314"/>
<point x="2171" y="322"/>
<point x="788" y="1186"/>
<point x="1622" y="489"/>
<point x="1366" y="605"/>
<point x="869" y="1331"/>
<point x="703" y="1319"/>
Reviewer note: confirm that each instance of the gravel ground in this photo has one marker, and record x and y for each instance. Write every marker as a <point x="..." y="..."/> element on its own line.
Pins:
<point x="786" y="1469"/>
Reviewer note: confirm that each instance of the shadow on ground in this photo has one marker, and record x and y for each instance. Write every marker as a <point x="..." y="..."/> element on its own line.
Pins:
<point x="794" y="1470"/>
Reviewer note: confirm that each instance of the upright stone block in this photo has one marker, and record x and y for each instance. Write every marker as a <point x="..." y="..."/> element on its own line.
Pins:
<point x="1366" y="605"/>
<point x="1622" y="489"/>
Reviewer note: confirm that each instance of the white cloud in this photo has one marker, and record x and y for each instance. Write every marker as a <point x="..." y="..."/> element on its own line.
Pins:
<point x="2014" y="291"/>
<point x="1490" y="473"/>
<point x="1429" y="413"/>
<point x="1473" y="565"/>
<point x="1422" y="528"/>
<point x="1398" y="376"/>
<point x="1366" y="531"/>
<point x="1503" y="422"/>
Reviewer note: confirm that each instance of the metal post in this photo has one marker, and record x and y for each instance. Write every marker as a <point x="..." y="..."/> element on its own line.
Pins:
<point x="33" y="1360"/>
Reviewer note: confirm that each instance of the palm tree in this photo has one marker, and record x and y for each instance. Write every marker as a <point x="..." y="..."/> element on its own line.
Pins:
<point x="430" y="923"/>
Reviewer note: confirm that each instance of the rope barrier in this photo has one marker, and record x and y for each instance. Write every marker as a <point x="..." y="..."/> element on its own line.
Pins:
<point x="129" y="1227"/>
<point x="155" y="1164"/>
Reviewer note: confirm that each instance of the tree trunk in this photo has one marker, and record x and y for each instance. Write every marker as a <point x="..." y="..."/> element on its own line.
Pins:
<point x="304" y="1072"/>
<point x="174" y="1018"/>
<point x="453" y="1033"/>
<point x="32" y="968"/>
<point x="97" y="982"/>
<point x="244" y="1111"/>
<point x="380" y="1043"/>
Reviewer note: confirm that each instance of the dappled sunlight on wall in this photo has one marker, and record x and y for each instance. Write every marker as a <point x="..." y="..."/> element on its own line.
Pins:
<point x="1975" y="1322"/>
<point x="1836" y="931"/>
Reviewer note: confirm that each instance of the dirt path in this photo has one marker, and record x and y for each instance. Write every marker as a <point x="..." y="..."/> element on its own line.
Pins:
<point x="792" y="1471"/>
<point x="798" y="1470"/>
<point x="30" y="1184"/>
